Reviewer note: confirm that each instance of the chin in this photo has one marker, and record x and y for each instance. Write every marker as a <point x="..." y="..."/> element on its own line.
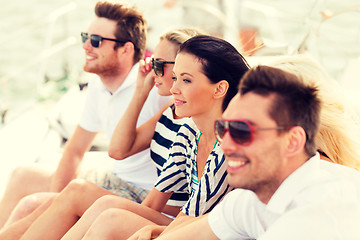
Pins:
<point x="163" y="93"/>
<point x="235" y="182"/>
<point x="180" y="113"/>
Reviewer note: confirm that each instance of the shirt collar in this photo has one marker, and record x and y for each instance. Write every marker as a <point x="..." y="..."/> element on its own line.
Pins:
<point x="292" y="185"/>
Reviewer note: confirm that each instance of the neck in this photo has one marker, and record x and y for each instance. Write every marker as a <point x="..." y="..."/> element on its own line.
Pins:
<point x="205" y="124"/>
<point x="267" y="190"/>
<point x="205" y="121"/>
<point x="115" y="79"/>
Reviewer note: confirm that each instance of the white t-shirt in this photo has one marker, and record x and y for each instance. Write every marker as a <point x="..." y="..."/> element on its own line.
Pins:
<point x="241" y="215"/>
<point x="103" y="111"/>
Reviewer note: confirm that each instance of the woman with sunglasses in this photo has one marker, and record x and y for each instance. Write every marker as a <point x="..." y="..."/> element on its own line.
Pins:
<point x="207" y="71"/>
<point x="159" y="132"/>
<point x="128" y="140"/>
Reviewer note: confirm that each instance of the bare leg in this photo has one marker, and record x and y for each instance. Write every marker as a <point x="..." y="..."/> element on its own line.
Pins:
<point x="107" y="202"/>
<point x="116" y="224"/>
<point x="17" y="229"/>
<point x="65" y="211"/>
<point x="36" y="181"/>
<point x="27" y="205"/>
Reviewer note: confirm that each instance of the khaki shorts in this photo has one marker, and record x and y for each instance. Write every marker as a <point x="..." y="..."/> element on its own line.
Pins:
<point x="108" y="180"/>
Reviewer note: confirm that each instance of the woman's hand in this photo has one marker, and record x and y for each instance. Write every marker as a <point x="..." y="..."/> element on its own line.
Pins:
<point x="148" y="232"/>
<point x="145" y="81"/>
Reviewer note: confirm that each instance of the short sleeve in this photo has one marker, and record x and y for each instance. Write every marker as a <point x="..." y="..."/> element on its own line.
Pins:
<point x="229" y="219"/>
<point x="174" y="177"/>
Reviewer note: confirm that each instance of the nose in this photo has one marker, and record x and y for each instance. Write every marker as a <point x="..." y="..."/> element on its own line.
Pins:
<point x="87" y="45"/>
<point x="227" y="143"/>
<point x="174" y="90"/>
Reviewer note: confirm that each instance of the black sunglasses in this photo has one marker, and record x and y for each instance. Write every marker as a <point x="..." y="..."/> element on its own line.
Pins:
<point x="242" y="132"/>
<point x="95" y="40"/>
<point x="158" y="66"/>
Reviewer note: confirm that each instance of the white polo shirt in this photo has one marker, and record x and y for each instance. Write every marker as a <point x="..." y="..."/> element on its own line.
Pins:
<point x="241" y="215"/>
<point x="328" y="221"/>
<point x="103" y="111"/>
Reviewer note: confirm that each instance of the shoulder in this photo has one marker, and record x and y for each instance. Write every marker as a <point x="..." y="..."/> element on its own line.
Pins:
<point x="188" y="128"/>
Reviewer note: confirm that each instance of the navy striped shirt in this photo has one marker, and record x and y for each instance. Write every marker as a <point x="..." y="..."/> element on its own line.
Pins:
<point x="165" y="133"/>
<point x="177" y="174"/>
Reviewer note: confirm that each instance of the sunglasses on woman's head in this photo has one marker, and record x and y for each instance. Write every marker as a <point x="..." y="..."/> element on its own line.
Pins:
<point x="95" y="40"/>
<point x="242" y="132"/>
<point x="158" y="66"/>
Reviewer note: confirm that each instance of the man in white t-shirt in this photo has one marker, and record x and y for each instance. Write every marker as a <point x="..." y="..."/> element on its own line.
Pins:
<point x="114" y="43"/>
<point x="267" y="136"/>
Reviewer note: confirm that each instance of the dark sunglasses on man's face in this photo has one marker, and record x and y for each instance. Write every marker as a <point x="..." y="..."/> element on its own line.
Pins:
<point x="158" y="66"/>
<point x="242" y="132"/>
<point x="95" y="40"/>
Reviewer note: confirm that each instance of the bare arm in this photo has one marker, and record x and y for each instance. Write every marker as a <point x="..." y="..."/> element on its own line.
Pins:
<point x="180" y="220"/>
<point x="75" y="148"/>
<point x="127" y="139"/>
<point x="156" y="199"/>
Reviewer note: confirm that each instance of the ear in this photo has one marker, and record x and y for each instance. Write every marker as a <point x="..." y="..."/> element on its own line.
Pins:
<point x="127" y="49"/>
<point x="296" y="141"/>
<point x="221" y="89"/>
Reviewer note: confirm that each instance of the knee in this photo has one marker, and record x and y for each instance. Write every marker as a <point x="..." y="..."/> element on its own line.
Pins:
<point x="108" y="225"/>
<point x="22" y="173"/>
<point x="77" y="185"/>
<point x="77" y="189"/>
<point x="111" y="201"/>
<point x="113" y="214"/>
<point x="27" y="204"/>
<point x="36" y="180"/>
<point x="31" y="202"/>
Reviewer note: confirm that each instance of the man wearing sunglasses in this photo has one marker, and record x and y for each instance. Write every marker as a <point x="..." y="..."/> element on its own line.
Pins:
<point x="113" y="44"/>
<point x="267" y="136"/>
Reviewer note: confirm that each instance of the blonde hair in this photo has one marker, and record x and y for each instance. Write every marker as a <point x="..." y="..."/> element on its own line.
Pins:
<point x="180" y="35"/>
<point x="338" y="132"/>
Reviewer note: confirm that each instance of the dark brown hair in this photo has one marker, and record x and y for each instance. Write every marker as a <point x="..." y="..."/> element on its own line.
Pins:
<point x="220" y="61"/>
<point x="295" y="104"/>
<point x="130" y="25"/>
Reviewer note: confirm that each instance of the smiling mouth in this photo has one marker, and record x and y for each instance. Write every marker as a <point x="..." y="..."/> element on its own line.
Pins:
<point x="89" y="58"/>
<point x="236" y="164"/>
<point x="179" y="102"/>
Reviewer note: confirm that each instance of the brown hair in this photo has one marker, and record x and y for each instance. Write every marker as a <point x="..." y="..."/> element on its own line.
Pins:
<point x="338" y="135"/>
<point x="295" y="104"/>
<point x="130" y="25"/>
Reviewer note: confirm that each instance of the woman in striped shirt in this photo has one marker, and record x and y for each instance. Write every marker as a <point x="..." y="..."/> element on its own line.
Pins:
<point x="207" y="71"/>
